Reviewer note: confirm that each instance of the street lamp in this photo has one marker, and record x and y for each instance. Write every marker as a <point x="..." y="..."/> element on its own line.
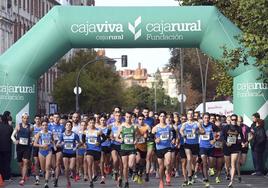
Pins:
<point x="100" y="57"/>
<point x="203" y="80"/>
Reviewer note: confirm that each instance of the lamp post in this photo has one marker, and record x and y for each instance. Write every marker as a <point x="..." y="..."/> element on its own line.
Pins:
<point x="181" y="84"/>
<point x="99" y="57"/>
<point x="203" y="80"/>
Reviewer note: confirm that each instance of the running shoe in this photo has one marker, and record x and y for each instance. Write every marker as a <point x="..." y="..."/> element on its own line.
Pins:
<point x="168" y="180"/>
<point x="146" y="177"/>
<point x="68" y="185"/>
<point x="211" y="172"/>
<point x="161" y="184"/>
<point x="190" y="181"/>
<point x="218" y="180"/>
<point x="135" y="178"/>
<point x="185" y="183"/>
<point x="140" y="180"/>
<point x="77" y="178"/>
<point x="102" y="180"/>
<point x="85" y="178"/>
<point x="239" y="179"/>
<point x="55" y="183"/>
<point x="46" y="185"/>
<point x="36" y="181"/>
<point x="126" y="185"/>
<point x="206" y="183"/>
<point x="120" y="183"/>
<point x="21" y="182"/>
<point x="177" y="174"/>
<point x="91" y="185"/>
<point x="95" y="178"/>
<point x="230" y="184"/>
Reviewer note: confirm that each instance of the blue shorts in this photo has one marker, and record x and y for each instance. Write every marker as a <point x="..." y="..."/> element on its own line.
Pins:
<point x="44" y="152"/>
<point x="206" y="151"/>
<point x="81" y="151"/>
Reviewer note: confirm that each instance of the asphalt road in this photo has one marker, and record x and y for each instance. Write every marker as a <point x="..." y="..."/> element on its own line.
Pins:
<point x="247" y="181"/>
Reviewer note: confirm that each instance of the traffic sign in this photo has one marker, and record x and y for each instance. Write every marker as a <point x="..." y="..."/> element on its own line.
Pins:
<point x="180" y="97"/>
<point x="79" y="90"/>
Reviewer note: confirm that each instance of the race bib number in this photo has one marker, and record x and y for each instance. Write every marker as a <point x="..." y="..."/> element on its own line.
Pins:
<point x="164" y="136"/>
<point x="231" y="139"/>
<point x="218" y="144"/>
<point x="46" y="141"/>
<point x="190" y="136"/>
<point x="141" y="140"/>
<point x="204" y="137"/>
<point x="68" y="146"/>
<point x="23" y="141"/>
<point x="128" y="139"/>
<point x="92" y="140"/>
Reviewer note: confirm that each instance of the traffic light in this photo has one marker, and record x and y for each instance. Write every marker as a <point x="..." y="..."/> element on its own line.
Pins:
<point x="124" y="60"/>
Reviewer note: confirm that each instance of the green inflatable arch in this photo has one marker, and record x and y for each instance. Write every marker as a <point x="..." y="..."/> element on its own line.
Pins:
<point x="64" y="28"/>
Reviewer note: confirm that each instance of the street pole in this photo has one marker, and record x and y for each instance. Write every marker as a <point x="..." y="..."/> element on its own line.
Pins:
<point x="155" y="102"/>
<point x="203" y="80"/>
<point x="98" y="58"/>
<point x="77" y="82"/>
<point x="181" y="67"/>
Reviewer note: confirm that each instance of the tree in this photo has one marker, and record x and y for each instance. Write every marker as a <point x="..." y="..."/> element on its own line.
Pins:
<point x="252" y="18"/>
<point x="191" y="71"/>
<point x="101" y="87"/>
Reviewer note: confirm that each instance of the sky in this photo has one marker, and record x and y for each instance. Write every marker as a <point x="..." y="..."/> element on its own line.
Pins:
<point x="150" y="58"/>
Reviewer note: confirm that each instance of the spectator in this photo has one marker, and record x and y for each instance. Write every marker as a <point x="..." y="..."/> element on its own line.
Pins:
<point x="258" y="147"/>
<point x="5" y="146"/>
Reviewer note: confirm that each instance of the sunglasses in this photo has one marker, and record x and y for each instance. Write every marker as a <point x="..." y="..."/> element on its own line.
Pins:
<point x="233" y="119"/>
<point x="140" y="119"/>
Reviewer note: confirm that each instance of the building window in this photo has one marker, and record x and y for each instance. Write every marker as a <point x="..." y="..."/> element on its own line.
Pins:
<point x="24" y="5"/>
<point x="28" y="6"/>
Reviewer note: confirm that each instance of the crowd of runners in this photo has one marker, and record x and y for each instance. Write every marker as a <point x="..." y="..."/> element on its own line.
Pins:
<point x="133" y="145"/>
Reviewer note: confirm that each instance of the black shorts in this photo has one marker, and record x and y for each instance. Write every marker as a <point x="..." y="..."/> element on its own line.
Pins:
<point x="161" y="152"/>
<point x="106" y="149"/>
<point x="35" y="151"/>
<point x="227" y="151"/>
<point x="173" y="149"/>
<point x="193" y="147"/>
<point x="95" y="154"/>
<point x="142" y="153"/>
<point x="116" y="147"/>
<point x="23" y="152"/>
<point x="56" y="151"/>
<point x="206" y="151"/>
<point x="127" y="152"/>
<point x="69" y="155"/>
<point x="244" y="150"/>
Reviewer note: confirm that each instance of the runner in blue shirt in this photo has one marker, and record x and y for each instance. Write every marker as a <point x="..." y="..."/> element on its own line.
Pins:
<point x="206" y="146"/>
<point x="57" y="129"/>
<point x="44" y="141"/>
<point x="105" y="148"/>
<point x="190" y="130"/>
<point x="69" y="141"/>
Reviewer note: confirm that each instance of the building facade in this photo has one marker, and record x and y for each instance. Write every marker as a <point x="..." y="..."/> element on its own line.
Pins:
<point x="134" y="77"/>
<point x="16" y="18"/>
